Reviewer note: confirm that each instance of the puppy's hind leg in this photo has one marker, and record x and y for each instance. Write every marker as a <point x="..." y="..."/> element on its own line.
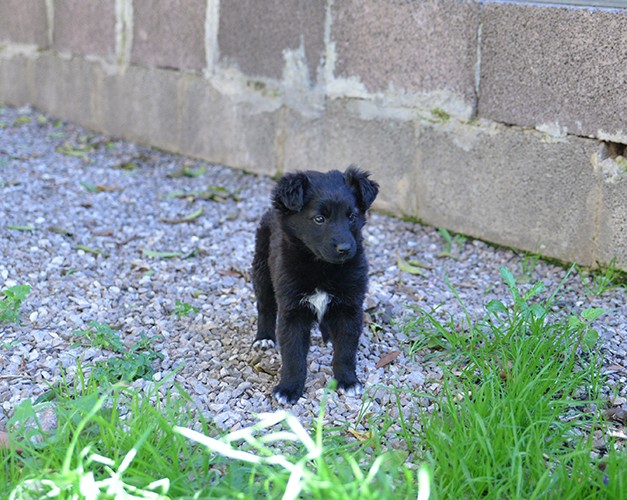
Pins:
<point x="264" y="291"/>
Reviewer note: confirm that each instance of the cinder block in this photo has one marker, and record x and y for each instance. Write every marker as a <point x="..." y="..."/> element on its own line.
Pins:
<point x="142" y="105"/>
<point x="253" y="34"/>
<point x="412" y="46"/>
<point x="612" y="241"/>
<point x="14" y="88"/>
<point x="65" y="88"/>
<point x="340" y="137"/>
<point x="169" y="34"/>
<point x="509" y="186"/>
<point x="553" y="65"/>
<point x="221" y="130"/>
<point x="24" y="21"/>
<point x="85" y="27"/>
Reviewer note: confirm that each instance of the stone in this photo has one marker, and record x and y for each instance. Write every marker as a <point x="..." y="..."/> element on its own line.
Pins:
<point x="24" y="21"/>
<point x="85" y="27"/>
<point x="560" y="68"/>
<point x="169" y="34"/>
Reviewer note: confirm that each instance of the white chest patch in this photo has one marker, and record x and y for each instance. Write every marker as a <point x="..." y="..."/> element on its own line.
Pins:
<point x="318" y="302"/>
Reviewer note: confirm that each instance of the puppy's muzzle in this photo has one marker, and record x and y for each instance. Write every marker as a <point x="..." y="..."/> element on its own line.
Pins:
<point x="340" y="252"/>
<point x="344" y="249"/>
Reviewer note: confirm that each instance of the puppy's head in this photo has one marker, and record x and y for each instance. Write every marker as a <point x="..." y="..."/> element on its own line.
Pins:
<point x="326" y="211"/>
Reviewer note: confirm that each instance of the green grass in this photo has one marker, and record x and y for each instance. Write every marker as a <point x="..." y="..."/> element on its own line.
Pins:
<point x="321" y="465"/>
<point x="528" y="265"/>
<point x="520" y="399"/>
<point x="110" y="440"/>
<point x="450" y="242"/>
<point x="11" y="302"/>
<point x="128" y="364"/>
<point x="606" y="278"/>
<point x="184" y="309"/>
<point x="119" y="440"/>
<point x="514" y="417"/>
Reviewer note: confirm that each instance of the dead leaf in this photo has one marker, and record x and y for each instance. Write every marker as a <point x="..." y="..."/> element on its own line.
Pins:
<point x="617" y="415"/>
<point x="614" y="368"/>
<point x="80" y="150"/>
<point x="160" y="255"/>
<point x="104" y="232"/>
<point x="212" y="193"/>
<point x="4" y="439"/>
<point x="94" y="251"/>
<point x="387" y="359"/>
<point x="4" y="442"/>
<point x="267" y="371"/>
<point x="60" y="230"/>
<point x="126" y="241"/>
<point x="186" y="218"/>
<point x="361" y="436"/>
<point x="140" y="266"/>
<point x="130" y="165"/>
<point x="22" y="228"/>
<point x="187" y="171"/>
<point x="465" y="284"/>
<point x="233" y="273"/>
<point x="419" y="263"/>
<point x="617" y="434"/>
<point x="406" y="267"/>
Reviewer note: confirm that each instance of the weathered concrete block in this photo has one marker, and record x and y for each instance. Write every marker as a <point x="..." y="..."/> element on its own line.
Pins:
<point x="65" y="88"/>
<point x="509" y="186"/>
<point x="221" y="130"/>
<point x="555" y="66"/>
<point x="85" y="27"/>
<point x="612" y="235"/>
<point x="142" y="105"/>
<point x="24" y="21"/>
<point x="340" y="137"/>
<point x="14" y="78"/>
<point x="169" y="34"/>
<point x="412" y="46"/>
<point x="254" y="35"/>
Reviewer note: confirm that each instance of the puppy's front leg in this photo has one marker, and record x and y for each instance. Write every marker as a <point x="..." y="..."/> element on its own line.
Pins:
<point x="294" y="331"/>
<point x="344" y="327"/>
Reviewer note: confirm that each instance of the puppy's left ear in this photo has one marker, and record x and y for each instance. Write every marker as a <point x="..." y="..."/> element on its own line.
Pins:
<point x="365" y="188"/>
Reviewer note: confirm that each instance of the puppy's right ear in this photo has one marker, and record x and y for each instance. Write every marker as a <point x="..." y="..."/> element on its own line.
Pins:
<point x="289" y="194"/>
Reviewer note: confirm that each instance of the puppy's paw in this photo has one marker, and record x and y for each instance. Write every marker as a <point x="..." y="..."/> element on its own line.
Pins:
<point x="263" y="344"/>
<point x="287" y="394"/>
<point x="353" y="389"/>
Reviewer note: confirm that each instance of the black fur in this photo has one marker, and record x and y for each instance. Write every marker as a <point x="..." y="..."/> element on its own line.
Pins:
<point x="310" y="241"/>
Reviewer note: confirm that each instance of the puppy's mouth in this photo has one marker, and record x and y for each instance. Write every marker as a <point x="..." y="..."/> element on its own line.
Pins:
<point x="335" y="259"/>
<point x="338" y="261"/>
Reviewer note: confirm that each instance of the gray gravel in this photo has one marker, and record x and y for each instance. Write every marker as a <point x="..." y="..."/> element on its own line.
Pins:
<point x="78" y="191"/>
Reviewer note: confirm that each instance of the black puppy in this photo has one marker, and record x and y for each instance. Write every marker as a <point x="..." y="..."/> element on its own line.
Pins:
<point x="310" y="266"/>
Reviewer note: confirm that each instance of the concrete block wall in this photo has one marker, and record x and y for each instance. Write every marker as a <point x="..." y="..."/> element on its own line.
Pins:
<point x="502" y="120"/>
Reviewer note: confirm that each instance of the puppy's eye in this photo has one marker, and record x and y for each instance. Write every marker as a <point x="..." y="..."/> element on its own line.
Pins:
<point x="352" y="216"/>
<point x="319" y="219"/>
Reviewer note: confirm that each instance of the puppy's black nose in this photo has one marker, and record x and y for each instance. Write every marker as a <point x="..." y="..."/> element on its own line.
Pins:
<point x="343" y="248"/>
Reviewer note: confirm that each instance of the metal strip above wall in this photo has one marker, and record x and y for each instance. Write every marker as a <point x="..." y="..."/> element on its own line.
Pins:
<point x="621" y="4"/>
